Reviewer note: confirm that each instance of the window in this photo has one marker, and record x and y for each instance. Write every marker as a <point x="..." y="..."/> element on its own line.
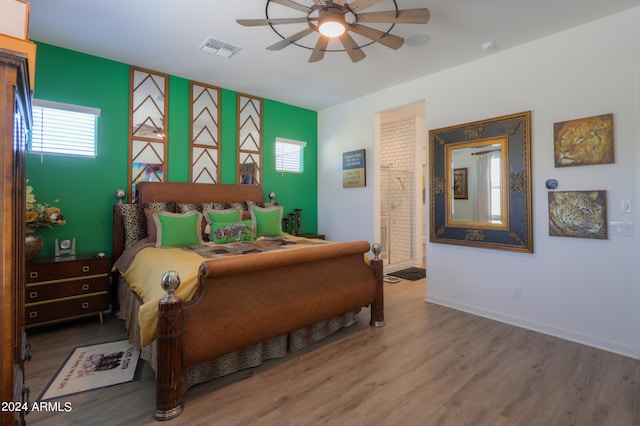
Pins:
<point x="496" y="187"/>
<point x="289" y="155"/>
<point x="63" y="129"/>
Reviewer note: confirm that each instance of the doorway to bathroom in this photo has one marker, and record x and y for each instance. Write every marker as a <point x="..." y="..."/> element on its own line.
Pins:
<point x="401" y="190"/>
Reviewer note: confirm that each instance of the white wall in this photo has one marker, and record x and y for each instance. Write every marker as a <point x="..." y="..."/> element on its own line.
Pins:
<point x="578" y="289"/>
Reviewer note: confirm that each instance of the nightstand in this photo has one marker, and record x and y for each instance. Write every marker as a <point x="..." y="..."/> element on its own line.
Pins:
<point x="66" y="287"/>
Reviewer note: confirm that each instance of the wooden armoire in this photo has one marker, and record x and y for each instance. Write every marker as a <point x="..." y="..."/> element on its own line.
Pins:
<point x="15" y="122"/>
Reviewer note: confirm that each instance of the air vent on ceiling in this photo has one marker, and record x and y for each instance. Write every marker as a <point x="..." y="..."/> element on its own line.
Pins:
<point x="219" y="48"/>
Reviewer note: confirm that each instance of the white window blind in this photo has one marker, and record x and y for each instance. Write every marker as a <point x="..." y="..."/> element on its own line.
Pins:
<point x="64" y="129"/>
<point x="289" y="155"/>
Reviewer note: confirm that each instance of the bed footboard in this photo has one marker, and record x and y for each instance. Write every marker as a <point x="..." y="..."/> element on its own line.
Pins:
<point x="288" y="291"/>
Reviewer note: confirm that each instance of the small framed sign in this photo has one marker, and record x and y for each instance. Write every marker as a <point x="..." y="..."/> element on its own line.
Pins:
<point x="354" y="169"/>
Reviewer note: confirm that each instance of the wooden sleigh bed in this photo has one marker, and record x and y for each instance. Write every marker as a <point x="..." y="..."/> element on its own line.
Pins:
<point x="244" y="309"/>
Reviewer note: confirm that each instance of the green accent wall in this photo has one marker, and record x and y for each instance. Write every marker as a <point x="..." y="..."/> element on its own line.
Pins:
<point x="85" y="187"/>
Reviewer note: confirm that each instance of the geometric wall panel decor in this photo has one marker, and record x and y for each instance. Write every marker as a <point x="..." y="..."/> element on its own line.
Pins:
<point x="148" y="140"/>
<point x="249" y="140"/>
<point x="205" y="133"/>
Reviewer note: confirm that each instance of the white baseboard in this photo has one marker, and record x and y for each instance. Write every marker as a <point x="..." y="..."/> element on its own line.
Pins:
<point x="626" y="350"/>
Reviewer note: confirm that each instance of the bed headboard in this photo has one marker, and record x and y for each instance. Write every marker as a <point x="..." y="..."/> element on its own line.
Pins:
<point x="182" y="192"/>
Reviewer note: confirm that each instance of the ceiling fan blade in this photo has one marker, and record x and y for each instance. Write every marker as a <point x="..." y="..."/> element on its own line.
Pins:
<point x="276" y="21"/>
<point x="293" y="5"/>
<point x="320" y="2"/>
<point x="318" y="51"/>
<point x="339" y="2"/>
<point x="291" y="39"/>
<point x="355" y="53"/>
<point x="389" y="40"/>
<point x="407" y="16"/>
<point x="363" y="4"/>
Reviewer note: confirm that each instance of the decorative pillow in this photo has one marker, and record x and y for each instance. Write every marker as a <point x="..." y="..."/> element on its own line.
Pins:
<point x="224" y="206"/>
<point x="151" y="208"/>
<point x="267" y="222"/>
<point x="152" y="231"/>
<point x="227" y="232"/>
<point x="161" y="206"/>
<point x="215" y="217"/>
<point x="262" y="204"/>
<point x="135" y="224"/>
<point x="188" y="207"/>
<point x="178" y="229"/>
<point x="222" y="215"/>
<point x="191" y="207"/>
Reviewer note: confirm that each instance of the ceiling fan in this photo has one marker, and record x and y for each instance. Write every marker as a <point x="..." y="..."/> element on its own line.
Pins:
<point x="335" y="19"/>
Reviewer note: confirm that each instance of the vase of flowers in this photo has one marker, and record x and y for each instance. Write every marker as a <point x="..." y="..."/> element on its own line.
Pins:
<point x="32" y="243"/>
<point x="38" y="215"/>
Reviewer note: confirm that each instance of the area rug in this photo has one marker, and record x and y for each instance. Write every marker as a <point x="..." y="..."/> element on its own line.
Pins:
<point x="411" y="274"/>
<point x="92" y="367"/>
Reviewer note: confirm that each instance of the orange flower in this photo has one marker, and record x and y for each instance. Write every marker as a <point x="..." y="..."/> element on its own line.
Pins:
<point x="32" y="217"/>
<point x="52" y="213"/>
<point x="41" y="214"/>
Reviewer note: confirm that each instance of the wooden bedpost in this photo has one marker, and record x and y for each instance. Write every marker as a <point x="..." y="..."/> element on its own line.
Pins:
<point x="377" y="307"/>
<point x="169" y="369"/>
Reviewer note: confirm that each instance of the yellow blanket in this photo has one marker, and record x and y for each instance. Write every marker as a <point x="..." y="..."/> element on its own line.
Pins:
<point x="145" y="270"/>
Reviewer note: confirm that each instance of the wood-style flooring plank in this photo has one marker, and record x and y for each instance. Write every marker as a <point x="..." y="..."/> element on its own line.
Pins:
<point x="430" y="365"/>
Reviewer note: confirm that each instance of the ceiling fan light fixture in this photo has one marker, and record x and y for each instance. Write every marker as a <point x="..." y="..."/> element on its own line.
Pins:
<point x="332" y="25"/>
<point x="335" y="20"/>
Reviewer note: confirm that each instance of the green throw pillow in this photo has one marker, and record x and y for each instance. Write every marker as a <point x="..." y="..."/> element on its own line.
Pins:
<point x="175" y="229"/>
<point x="224" y="215"/>
<point x="267" y="222"/>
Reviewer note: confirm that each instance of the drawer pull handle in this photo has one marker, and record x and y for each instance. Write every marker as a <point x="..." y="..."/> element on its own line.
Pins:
<point x="85" y="287"/>
<point x="33" y="274"/>
<point x="33" y="314"/>
<point x="85" y="305"/>
<point x="85" y="268"/>
<point x="33" y="295"/>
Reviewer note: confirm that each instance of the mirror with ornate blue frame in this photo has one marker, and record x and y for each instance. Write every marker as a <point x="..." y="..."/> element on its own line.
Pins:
<point x="495" y="211"/>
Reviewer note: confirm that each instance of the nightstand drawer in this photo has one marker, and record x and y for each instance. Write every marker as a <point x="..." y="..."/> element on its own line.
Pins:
<point x="66" y="308"/>
<point x="41" y="270"/>
<point x="38" y="292"/>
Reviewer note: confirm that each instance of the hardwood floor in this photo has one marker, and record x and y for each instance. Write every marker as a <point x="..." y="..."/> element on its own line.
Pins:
<point x="430" y="365"/>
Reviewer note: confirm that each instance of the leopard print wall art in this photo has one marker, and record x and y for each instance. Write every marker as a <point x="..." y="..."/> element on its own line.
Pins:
<point x="578" y="214"/>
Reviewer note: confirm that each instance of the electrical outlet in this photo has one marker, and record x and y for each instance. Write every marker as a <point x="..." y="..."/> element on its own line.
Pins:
<point x="621" y="228"/>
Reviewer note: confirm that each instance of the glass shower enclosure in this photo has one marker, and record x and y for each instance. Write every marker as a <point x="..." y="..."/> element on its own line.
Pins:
<point x="397" y="223"/>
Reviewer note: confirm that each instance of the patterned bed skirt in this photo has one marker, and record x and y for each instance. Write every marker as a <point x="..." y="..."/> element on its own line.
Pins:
<point x="248" y="357"/>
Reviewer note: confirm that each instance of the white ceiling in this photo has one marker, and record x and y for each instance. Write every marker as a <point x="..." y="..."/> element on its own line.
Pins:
<point x="165" y="36"/>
